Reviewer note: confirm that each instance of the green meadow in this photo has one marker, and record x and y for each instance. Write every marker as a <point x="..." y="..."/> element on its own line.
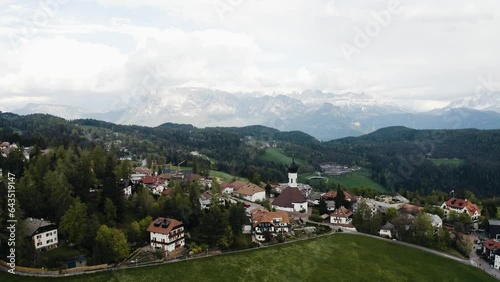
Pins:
<point x="338" y="257"/>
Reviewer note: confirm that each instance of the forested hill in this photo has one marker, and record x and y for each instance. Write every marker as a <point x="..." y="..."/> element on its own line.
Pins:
<point x="398" y="157"/>
<point x="427" y="159"/>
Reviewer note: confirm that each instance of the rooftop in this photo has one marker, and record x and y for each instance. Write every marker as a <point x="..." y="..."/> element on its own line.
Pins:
<point x="164" y="225"/>
<point x="289" y="197"/>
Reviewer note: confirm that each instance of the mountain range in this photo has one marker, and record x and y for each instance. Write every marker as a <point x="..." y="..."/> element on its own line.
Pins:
<point x="323" y="115"/>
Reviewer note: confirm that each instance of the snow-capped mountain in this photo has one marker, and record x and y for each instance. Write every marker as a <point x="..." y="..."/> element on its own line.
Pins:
<point x="489" y="101"/>
<point x="323" y="115"/>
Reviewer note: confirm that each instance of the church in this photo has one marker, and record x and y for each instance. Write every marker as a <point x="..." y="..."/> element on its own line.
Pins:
<point x="292" y="198"/>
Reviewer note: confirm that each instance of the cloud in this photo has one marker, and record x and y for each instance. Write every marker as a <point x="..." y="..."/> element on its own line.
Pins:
<point x="430" y="52"/>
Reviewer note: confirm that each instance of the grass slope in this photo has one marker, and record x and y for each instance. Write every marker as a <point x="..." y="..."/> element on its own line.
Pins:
<point x="360" y="178"/>
<point x="276" y="155"/>
<point x="341" y="257"/>
<point x="357" y="179"/>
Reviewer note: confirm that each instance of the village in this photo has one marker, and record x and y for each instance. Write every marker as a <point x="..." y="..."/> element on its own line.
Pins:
<point x="277" y="213"/>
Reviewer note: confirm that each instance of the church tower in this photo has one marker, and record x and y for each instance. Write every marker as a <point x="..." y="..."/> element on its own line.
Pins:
<point x="292" y="174"/>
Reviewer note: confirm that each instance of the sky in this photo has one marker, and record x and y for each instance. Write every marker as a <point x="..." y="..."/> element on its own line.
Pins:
<point x="421" y="54"/>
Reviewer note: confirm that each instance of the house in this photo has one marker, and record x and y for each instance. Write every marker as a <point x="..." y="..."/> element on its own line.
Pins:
<point x="166" y="234"/>
<point x="313" y="198"/>
<point x="387" y="230"/>
<point x="341" y="216"/>
<point x="205" y="199"/>
<point x="330" y="205"/>
<point x="383" y="206"/>
<point x="250" y="192"/>
<point x="401" y="199"/>
<point x="126" y="185"/>
<point x="491" y="246"/>
<point x="291" y="200"/>
<point x="461" y="206"/>
<point x="266" y="224"/>
<point x="436" y="221"/>
<point x="330" y="195"/>
<point x="410" y="209"/>
<point x="230" y="187"/>
<point x="43" y="233"/>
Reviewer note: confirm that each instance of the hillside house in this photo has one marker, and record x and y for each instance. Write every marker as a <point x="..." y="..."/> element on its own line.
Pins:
<point x="166" y="234"/>
<point x="461" y="206"/>
<point x="250" y="192"/>
<point x="266" y="224"/>
<point x="43" y="233"/>
<point x="341" y="216"/>
<point x="387" y="230"/>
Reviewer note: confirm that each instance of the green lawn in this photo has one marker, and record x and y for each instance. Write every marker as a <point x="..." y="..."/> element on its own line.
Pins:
<point x="340" y="257"/>
<point x="225" y="176"/>
<point x="278" y="156"/>
<point x="448" y="162"/>
<point x="359" y="178"/>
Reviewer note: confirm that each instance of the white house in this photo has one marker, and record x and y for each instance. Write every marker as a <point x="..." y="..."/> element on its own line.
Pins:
<point x="44" y="233"/>
<point x="205" y="199"/>
<point x="436" y="221"/>
<point x="166" y="234"/>
<point x="341" y="216"/>
<point x="387" y="230"/>
<point x="250" y="192"/>
<point x="266" y="224"/>
<point x="461" y="206"/>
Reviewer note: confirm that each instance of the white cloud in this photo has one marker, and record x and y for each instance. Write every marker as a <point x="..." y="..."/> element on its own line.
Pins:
<point x="431" y="51"/>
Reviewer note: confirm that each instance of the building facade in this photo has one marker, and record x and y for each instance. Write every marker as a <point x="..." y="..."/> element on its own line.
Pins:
<point x="166" y="234"/>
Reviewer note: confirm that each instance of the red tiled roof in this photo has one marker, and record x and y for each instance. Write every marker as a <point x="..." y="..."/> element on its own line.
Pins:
<point x="238" y="184"/>
<point x="261" y="215"/>
<point x="491" y="244"/>
<point x="461" y="203"/>
<point x="167" y="192"/>
<point x="148" y="180"/>
<point x="333" y="194"/>
<point x="249" y="189"/>
<point x="173" y="224"/>
<point x="342" y="212"/>
<point x="288" y="197"/>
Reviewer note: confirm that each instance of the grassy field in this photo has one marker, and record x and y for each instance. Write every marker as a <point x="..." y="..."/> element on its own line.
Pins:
<point x="360" y="178"/>
<point x="340" y="257"/>
<point x="448" y="162"/>
<point x="277" y="155"/>
<point x="225" y="176"/>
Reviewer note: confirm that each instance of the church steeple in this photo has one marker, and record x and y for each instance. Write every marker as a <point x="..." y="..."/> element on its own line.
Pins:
<point x="293" y="168"/>
<point x="292" y="174"/>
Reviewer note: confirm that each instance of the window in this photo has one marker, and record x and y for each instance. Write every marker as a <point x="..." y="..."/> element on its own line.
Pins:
<point x="39" y="236"/>
<point x="49" y="234"/>
<point x="38" y="244"/>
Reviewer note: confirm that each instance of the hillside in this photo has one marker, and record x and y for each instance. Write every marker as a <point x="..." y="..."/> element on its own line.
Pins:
<point x="396" y="158"/>
<point x="401" y="157"/>
<point x="342" y="256"/>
